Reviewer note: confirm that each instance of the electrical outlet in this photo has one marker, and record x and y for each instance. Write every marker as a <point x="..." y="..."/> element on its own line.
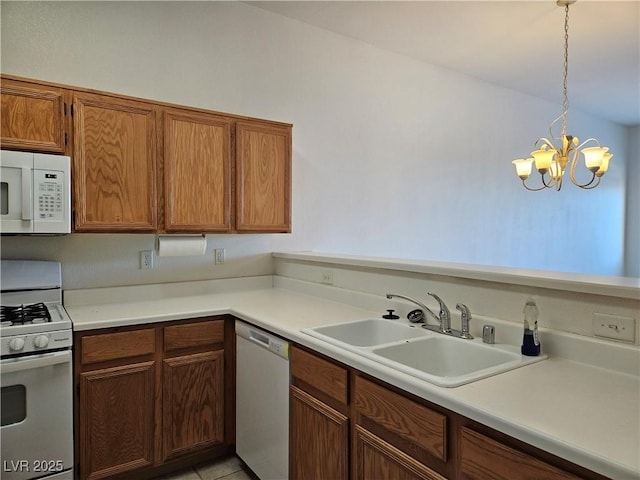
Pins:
<point x="614" y="327"/>
<point x="218" y="256"/>
<point x="326" y="277"/>
<point x="146" y="259"/>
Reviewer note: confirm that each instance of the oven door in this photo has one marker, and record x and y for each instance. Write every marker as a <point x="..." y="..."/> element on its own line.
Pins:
<point x="37" y="417"/>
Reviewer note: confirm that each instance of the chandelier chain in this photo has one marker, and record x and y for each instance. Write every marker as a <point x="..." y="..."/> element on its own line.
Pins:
<point x="565" y="97"/>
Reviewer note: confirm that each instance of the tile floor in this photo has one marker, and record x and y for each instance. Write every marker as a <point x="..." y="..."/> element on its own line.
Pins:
<point x="230" y="468"/>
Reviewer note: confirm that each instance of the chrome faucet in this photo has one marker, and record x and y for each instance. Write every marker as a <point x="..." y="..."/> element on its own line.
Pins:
<point x="422" y="306"/>
<point x="443" y="317"/>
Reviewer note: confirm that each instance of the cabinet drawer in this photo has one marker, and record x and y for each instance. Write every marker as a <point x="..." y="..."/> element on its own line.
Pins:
<point x="374" y="456"/>
<point x="327" y="377"/>
<point x="191" y="335"/>
<point x="120" y="345"/>
<point x="411" y="426"/>
<point x="480" y="454"/>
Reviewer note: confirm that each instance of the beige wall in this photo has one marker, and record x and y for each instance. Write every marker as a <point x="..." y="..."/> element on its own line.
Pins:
<point x="391" y="157"/>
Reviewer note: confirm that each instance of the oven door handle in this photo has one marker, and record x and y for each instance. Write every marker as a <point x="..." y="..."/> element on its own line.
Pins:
<point x="28" y="363"/>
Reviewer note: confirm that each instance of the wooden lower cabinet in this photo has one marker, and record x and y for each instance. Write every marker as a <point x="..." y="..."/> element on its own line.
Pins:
<point x="117" y="427"/>
<point x="153" y="399"/>
<point x="397" y="436"/>
<point x="375" y="458"/>
<point x="483" y="457"/>
<point x="193" y="402"/>
<point x="319" y="439"/>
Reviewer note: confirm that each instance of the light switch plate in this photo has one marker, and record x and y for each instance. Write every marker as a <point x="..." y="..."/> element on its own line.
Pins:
<point x="614" y="327"/>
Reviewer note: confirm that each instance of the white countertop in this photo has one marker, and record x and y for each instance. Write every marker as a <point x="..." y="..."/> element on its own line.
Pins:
<point x="585" y="414"/>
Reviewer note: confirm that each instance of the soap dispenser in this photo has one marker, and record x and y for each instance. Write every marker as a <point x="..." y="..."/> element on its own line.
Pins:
<point x="530" y="339"/>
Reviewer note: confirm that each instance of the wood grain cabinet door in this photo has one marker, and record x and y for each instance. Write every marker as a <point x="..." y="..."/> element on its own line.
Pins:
<point x="375" y="458"/>
<point x="263" y="177"/>
<point x="193" y="402"/>
<point x="116" y="420"/>
<point x="197" y="172"/>
<point x="114" y="165"/>
<point x="318" y="442"/>
<point x="32" y="117"/>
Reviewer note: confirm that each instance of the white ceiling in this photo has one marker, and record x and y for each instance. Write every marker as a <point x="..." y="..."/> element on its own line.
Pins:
<point x="515" y="44"/>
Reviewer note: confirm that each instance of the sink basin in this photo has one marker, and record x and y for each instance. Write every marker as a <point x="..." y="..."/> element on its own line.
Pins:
<point x="436" y="358"/>
<point x="439" y="359"/>
<point x="450" y="362"/>
<point x="366" y="333"/>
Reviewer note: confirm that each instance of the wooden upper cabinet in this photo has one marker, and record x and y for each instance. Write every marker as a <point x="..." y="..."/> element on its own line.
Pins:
<point x="32" y="117"/>
<point x="145" y="166"/>
<point x="263" y="177"/>
<point x="114" y="165"/>
<point x="197" y="172"/>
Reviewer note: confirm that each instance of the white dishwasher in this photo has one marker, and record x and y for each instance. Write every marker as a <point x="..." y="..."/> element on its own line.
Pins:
<point x="262" y="402"/>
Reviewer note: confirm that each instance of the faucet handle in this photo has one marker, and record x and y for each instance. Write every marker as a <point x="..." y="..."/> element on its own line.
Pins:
<point x="444" y="315"/>
<point x="465" y="316"/>
<point x="443" y="307"/>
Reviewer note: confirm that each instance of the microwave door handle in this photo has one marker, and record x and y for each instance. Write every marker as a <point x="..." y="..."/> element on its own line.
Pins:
<point x="27" y="194"/>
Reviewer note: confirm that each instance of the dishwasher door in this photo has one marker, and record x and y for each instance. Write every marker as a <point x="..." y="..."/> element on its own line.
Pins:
<point x="262" y="402"/>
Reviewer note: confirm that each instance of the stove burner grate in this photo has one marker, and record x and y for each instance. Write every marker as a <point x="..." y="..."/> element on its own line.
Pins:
<point x="24" y="314"/>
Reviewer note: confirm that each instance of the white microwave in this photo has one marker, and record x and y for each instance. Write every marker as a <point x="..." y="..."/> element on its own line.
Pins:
<point x="35" y="193"/>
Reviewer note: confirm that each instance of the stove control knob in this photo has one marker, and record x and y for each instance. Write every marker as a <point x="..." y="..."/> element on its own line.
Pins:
<point x="16" y="344"/>
<point x="41" y="341"/>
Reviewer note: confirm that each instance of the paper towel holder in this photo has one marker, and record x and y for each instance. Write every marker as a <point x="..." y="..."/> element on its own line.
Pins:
<point x="181" y="245"/>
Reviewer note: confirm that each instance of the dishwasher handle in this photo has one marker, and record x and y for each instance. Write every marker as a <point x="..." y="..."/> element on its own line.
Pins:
<point x="263" y="339"/>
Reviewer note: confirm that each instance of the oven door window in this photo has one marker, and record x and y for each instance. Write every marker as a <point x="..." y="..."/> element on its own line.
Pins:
<point x="14" y="404"/>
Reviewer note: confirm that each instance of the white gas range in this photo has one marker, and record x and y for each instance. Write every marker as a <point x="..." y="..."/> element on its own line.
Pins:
<point x="36" y="373"/>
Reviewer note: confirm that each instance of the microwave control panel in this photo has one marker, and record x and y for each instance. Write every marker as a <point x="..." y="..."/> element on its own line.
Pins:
<point x="49" y="197"/>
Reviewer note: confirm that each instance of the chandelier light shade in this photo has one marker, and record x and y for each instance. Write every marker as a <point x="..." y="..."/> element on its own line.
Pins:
<point x="552" y="161"/>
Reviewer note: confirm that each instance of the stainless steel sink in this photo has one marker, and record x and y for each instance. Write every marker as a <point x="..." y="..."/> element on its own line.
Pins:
<point x="433" y="357"/>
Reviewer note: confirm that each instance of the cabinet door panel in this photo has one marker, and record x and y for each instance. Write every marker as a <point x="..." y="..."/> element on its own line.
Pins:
<point x="114" y="164"/>
<point x="193" y="402"/>
<point x="263" y="177"/>
<point x="197" y="170"/>
<point x="318" y="444"/>
<point x="376" y="458"/>
<point x="32" y="117"/>
<point x="116" y="419"/>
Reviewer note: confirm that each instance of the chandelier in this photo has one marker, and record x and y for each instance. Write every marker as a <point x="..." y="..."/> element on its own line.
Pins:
<point x="552" y="161"/>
